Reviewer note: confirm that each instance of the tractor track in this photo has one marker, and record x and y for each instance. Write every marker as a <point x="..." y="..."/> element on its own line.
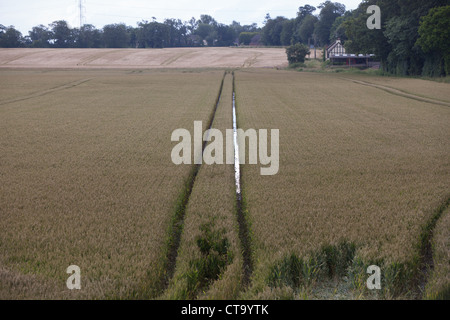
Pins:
<point x="177" y="223"/>
<point x="242" y="219"/>
<point x="426" y="264"/>
<point x="45" y="92"/>
<point x="398" y="92"/>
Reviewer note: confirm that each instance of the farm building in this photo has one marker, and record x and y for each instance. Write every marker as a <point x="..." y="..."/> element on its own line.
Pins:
<point x="335" y="49"/>
<point x="337" y="55"/>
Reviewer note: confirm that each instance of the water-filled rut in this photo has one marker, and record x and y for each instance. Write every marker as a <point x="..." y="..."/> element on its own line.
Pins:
<point x="244" y="234"/>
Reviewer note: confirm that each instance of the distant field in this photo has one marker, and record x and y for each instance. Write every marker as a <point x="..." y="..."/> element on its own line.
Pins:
<point x="86" y="178"/>
<point x="144" y="58"/>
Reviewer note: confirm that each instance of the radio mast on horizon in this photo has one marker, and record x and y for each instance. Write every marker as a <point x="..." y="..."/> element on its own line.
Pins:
<point x="81" y="8"/>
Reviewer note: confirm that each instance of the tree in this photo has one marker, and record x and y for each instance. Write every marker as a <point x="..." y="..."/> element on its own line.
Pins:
<point x="192" y="25"/>
<point x="153" y="35"/>
<point x="207" y="19"/>
<point x="246" y="37"/>
<point x="207" y="32"/>
<point x="287" y="32"/>
<point x="363" y="40"/>
<point x="329" y="12"/>
<point x="405" y="58"/>
<point x="61" y="34"/>
<point x="434" y="34"/>
<point x="177" y="33"/>
<point x="225" y="35"/>
<point x="337" y="30"/>
<point x="89" y="37"/>
<point x="396" y="43"/>
<point x="271" y="32"/>
<point x="40" y="36"/>
<point x="297" y="53"/>
<point x="306" y="29"/>
<point x="115" y="36"/>
<point x="304" y="13"/>
<point x="10" y="37"/>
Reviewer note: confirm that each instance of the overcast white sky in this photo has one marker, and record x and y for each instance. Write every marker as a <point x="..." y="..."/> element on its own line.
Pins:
<point x="25" y="14"/>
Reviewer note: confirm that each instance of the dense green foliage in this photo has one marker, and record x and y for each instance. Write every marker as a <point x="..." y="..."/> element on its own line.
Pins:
<point x="154" y="34"/>
<point x="297" y="53"/>
<point x="414" y="38"/>
<point x="434" y="39"/>
<point x="247" y="37"/>
<point x="305" y="28"/>
<point x="397" y="44"/>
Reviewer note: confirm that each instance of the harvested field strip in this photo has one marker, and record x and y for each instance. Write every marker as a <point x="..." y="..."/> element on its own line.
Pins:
<point x="252" y="60"/>
<point x="176" y="57"/>
<point x="96" y="55"/>
<point x="401" y="93"/>
<point x="8" y="58"/>
<point x="209" y="262"/>
<point x="357" y="165"/>
<point x="87" y="179"/>
<point x="211" y="57"/>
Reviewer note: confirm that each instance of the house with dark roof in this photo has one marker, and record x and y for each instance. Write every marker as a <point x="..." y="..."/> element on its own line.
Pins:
<point x="336" y="49"/>
<point x="338" y="56"/>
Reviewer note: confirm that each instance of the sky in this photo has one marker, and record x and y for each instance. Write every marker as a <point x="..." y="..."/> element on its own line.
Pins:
<point x="26" y="14"/>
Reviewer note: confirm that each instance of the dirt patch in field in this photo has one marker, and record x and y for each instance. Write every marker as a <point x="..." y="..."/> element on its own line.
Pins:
<point x="144" y="58"/>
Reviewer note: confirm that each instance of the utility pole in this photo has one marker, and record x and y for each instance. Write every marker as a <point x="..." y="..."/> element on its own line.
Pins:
<point x="315" y="56"/>
<point x="81" y="8"/>
<point x="309" y="47"/>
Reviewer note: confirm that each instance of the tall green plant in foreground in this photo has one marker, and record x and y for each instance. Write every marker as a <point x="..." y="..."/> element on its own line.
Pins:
<point x="214" y="248"/>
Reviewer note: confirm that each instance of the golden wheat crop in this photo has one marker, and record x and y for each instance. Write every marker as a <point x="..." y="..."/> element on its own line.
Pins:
<point x="211" y="216"/>
<point x="360" y="169"/>
<point x="438" y="286"/>
<point x="419" y="87"/>
<point x="87" y="178"/>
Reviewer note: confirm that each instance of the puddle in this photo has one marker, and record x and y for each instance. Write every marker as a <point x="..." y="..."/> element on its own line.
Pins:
<point x="237" y="172"/>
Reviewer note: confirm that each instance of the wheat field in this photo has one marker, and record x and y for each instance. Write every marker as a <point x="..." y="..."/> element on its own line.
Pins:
<point x="211" y="217"/>
<point x="358" y="165"/>
<point x="86" y="176"/>
<point x="87" y="179"/>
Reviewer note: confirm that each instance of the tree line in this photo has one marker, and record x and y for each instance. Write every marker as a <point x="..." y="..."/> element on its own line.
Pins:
<point x="414" y="38"/>
<point x="153" y="34"/>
